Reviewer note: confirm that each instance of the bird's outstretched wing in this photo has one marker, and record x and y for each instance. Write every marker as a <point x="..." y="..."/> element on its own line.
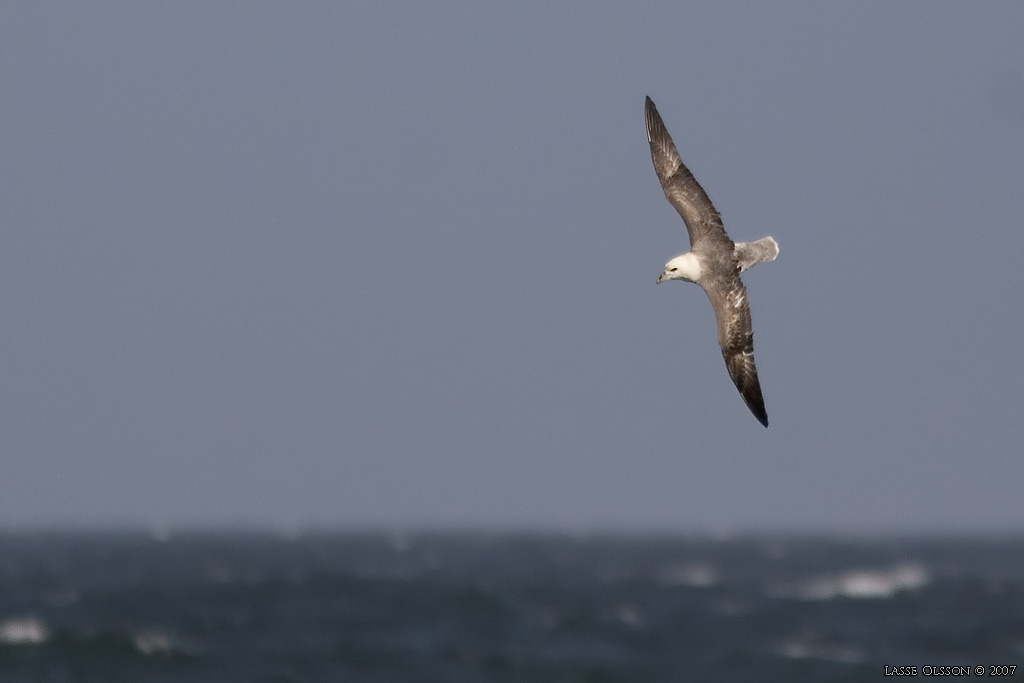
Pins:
<point x="681" y="189"/>
<point x="736" y="337"/>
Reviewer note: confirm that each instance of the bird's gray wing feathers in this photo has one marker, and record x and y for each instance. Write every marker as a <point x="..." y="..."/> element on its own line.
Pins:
<point x="736" y="337"/>
<point x="681" y="189"/>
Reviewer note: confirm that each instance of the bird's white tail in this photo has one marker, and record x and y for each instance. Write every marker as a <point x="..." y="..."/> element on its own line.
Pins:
<point x="749" y="254"/>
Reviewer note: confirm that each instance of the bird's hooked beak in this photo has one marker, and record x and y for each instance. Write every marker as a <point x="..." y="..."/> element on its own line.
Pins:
<point x="661" y="278"/>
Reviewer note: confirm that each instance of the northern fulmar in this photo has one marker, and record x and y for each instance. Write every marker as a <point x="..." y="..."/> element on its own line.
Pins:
<point x="714" y="261"/>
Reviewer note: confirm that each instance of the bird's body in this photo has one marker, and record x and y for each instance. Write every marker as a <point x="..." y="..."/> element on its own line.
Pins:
<point x="714" y="261"/>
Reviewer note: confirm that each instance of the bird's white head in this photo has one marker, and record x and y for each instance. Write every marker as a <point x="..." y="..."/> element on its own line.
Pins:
<point x="683" y="267"/>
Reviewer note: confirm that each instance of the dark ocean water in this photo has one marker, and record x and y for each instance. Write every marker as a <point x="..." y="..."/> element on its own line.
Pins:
<point x="474" y="607"/>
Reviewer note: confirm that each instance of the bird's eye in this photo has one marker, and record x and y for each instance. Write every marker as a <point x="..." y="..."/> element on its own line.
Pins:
<point x="672" y="270"/>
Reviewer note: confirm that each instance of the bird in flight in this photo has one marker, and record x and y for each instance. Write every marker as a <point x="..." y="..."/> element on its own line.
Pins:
<point x="714" y="261"/>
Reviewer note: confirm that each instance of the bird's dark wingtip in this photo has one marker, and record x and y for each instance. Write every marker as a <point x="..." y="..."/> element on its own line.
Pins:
<point x="752" y="396"/>
<point x="655" y="126"/>
<point x="757" y="408"/>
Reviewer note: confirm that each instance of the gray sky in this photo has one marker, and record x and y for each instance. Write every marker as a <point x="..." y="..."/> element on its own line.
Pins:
<point x="393" y="265"/>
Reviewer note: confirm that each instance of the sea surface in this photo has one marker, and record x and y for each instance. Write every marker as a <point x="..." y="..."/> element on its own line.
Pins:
<point x="466" y="607"/>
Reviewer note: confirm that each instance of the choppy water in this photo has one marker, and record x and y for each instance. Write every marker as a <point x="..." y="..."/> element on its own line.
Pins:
<point x="468" y="607"/>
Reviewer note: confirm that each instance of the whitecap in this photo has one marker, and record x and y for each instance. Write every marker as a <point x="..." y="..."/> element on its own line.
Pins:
<point x="154" y="643"/>
<point x="806" y="648"/>
<point x="859" y="583"/>
<point x="695" y="575"/>
<point x="24" y="631"/>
